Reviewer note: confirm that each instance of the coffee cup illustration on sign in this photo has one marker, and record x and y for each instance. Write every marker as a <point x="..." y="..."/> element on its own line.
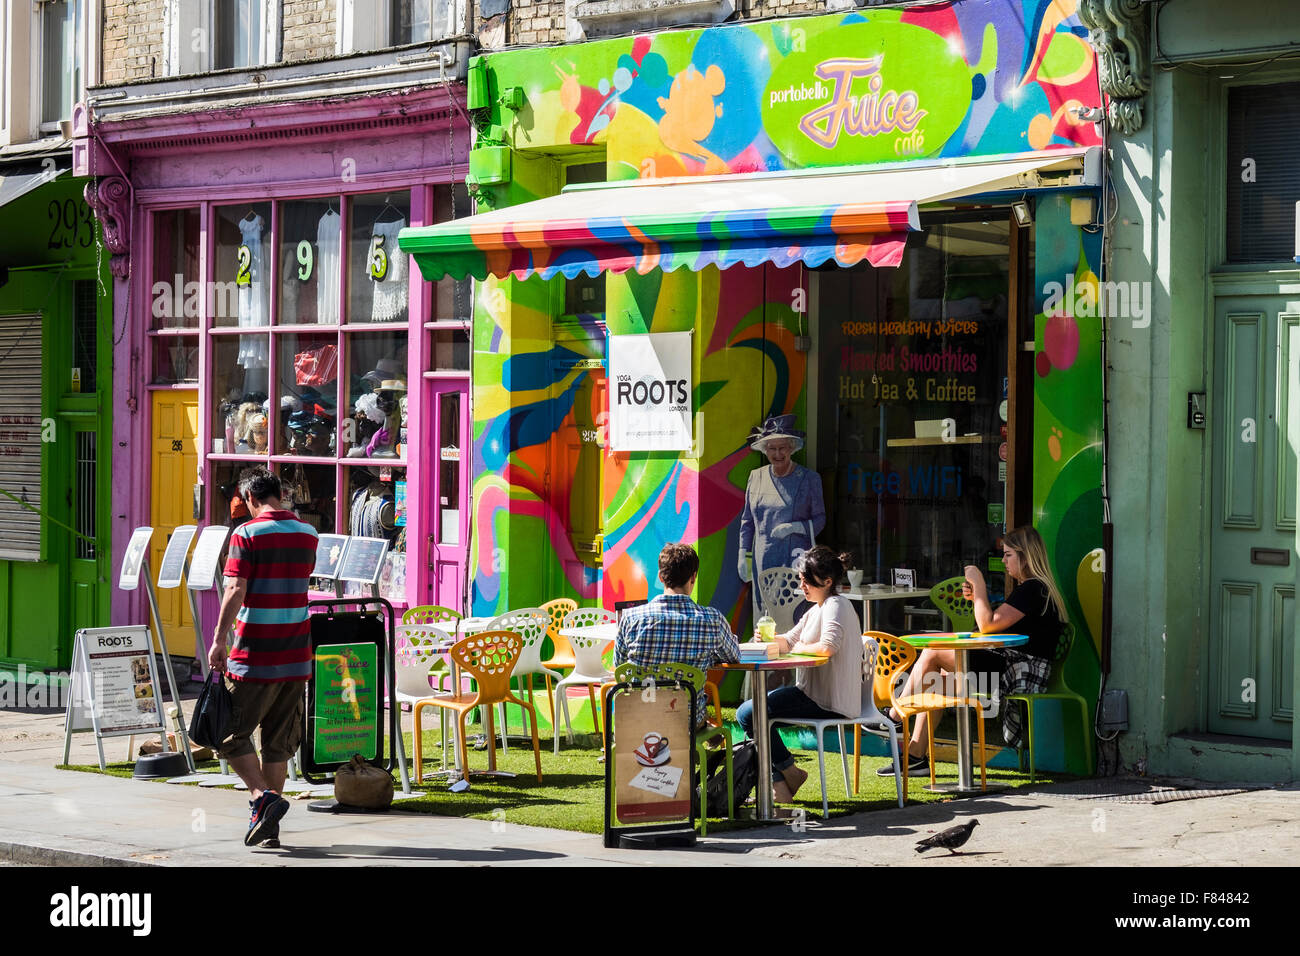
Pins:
<point x="653" y="751"/>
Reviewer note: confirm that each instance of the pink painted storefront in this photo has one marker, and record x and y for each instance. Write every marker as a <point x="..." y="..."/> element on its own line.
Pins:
<point x="264" y="314"/>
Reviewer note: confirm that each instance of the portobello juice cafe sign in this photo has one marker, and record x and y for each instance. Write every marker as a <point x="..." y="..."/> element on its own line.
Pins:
<point x="867" y="93"/>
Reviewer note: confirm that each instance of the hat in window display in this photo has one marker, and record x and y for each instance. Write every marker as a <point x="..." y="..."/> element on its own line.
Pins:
<point x="778" y="426"/>
<point x="386" y="369"/>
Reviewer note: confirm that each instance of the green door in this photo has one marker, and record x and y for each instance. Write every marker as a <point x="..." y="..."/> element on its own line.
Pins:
<point x="1253" y="518"/>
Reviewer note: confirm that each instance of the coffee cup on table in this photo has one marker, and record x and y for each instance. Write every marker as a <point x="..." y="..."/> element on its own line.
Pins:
<point x="855" y="579"/>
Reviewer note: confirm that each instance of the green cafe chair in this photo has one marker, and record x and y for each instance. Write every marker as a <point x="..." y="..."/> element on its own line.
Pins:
<point x="947" y="597"/>
<point x="630" y="673"/>
<point x="1057" y="689"/>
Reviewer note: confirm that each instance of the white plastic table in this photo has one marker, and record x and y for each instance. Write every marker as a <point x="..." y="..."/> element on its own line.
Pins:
<point x="868" y="596"/>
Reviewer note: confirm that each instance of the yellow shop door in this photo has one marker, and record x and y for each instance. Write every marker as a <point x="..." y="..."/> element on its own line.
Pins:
<point x="174" y="473"/>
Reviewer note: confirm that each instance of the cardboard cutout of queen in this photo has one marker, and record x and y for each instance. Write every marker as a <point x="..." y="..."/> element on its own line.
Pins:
<point x="784" y="509"/>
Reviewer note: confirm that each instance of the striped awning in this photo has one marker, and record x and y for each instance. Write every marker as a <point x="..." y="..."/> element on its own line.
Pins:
<point x="812" y="216"/>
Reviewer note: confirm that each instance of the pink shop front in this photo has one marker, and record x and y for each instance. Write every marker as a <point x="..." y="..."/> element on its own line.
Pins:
<point x="266" y="316"/>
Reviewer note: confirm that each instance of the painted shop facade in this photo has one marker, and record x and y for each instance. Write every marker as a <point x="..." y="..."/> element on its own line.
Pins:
<point x="882" y="222"/>
<point x="266" y="316"/>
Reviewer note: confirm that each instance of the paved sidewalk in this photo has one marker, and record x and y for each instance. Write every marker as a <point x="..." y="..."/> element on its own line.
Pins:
<point x="55" y="817"/>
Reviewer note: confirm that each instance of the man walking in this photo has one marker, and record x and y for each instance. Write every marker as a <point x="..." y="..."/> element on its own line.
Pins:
<point x="672" y="628"/>
<point x="270" y="560"/>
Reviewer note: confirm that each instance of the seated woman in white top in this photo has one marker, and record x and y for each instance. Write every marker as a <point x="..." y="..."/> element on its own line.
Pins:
<point x="829" y="629"/>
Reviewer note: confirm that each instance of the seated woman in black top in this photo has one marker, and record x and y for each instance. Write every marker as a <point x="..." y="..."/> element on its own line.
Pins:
<point x="1034" y="608"/>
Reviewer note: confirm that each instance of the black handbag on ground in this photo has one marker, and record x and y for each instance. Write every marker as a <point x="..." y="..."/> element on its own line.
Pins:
<point x="744" y="772"/>
<point x="212" y="711"/>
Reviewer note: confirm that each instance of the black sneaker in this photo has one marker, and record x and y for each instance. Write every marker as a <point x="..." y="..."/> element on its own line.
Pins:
<point x="916" y="767"/>
<point x="264" y="814"/>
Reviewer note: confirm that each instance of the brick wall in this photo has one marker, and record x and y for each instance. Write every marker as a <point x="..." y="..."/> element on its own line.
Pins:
<point x="308" y="27"/>
<point x="133" y="40"/>
<point x="535" y="21"/>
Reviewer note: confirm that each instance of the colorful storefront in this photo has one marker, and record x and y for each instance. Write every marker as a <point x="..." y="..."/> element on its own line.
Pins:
<point x="55" y="414"/>
<point x="884" y="223"/>
<point x="266" y="316"/>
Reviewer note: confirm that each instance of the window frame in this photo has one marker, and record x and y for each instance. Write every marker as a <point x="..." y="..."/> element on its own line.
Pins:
<point x="181" y="18"/>
<point x="356" y="32"/>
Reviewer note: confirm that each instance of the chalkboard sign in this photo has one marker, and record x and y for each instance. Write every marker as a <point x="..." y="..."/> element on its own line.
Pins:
<point x="203" y="569"/>
<point x="173" y="561"/>
<point x="330" y="549"/>
<point x="137" y="550"/>
<point x="363" y="559"/>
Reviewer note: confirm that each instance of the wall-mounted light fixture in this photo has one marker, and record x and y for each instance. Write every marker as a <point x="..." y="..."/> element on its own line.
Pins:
<point x="1024" y="218"/>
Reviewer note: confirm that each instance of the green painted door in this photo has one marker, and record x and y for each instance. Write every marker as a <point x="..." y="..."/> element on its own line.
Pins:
<point x="1253" y="518"/>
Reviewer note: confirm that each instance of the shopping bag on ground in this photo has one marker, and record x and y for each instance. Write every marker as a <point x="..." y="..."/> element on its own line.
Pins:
<point x="359" y="784"/>
<point x="211" y="721"/>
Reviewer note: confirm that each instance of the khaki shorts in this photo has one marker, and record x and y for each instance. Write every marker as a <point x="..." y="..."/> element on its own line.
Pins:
<point x="276" y="708"/>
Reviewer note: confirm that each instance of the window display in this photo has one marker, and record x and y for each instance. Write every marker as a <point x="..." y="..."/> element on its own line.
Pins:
<point x="310" y="268"/>
<point x="241" y="410"/>
<point x="373" y="513"/>
<point x="308" y="394"/>
<point x="376" y="394"/>
<point x="242" y="277"/>
<point x="378" y="272"/>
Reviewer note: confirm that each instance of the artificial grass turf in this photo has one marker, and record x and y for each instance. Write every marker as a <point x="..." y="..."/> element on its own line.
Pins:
<point x="571" y="795"/>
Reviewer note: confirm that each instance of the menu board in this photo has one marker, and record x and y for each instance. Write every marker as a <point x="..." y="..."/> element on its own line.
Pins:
<point x="137" y="549"/>
<point x="114" y="684"/>
<point x="203" y="569"/>
<point x="173" y="561"/>
<point x="652" y="756"/>
<point x="345" y="707"/>
<point x="330" y="549"/>
<point x="363" y="559"/>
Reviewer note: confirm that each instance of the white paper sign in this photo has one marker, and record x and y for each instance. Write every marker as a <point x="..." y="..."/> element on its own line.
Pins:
<point x="173" y="559"/>
<point x="660" y="780"/>
<point x="650" y="392"/>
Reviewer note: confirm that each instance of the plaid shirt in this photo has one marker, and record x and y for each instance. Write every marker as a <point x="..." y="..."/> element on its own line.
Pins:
<point x="1021" y="674"/>
<point x="673" y="629"/>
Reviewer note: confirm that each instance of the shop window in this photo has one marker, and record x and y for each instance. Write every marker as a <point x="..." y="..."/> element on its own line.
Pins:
<point x="449" y="453"/>
<point x="450" y="350"/>
<point x="453" y="299"/>
<point x="240" y="421"/>
<point x="175" y="294"/>
<point x="376" y="508"/>
<point x="241" y="288"/>
<point x="1263" y="172"/>
<point x="310" y="265"/>
<point x="62" y="56"/>
<point x="307" y="394"/>
<point x="378" y="272"/>
<point x="376" y="395"/>
<point x="175" y="360"/>
<point x="220" y="34"/>
<point x="912" y="401"/>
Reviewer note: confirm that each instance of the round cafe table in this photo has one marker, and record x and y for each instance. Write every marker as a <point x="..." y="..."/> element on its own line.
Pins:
<point x="962" y="643"/>
<point x="758" y="688"/>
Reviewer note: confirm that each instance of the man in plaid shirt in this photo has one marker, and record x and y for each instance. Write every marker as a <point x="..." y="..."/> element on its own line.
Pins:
<point x="672" y="628"/>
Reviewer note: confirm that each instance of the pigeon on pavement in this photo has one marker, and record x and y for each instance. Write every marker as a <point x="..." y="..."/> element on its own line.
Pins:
<point x="948" y="839"/>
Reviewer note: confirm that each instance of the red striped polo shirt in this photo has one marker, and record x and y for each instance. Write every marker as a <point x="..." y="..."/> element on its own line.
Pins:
<point x="275" y="553"/>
